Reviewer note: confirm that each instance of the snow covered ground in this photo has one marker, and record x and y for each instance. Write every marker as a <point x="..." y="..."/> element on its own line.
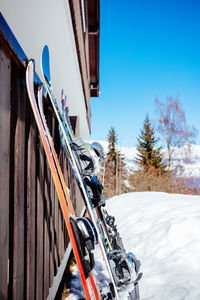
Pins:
<point x="163" y="231"/>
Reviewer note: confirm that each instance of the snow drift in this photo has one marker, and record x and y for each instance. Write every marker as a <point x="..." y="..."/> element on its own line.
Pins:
<point x="163" y="231"/>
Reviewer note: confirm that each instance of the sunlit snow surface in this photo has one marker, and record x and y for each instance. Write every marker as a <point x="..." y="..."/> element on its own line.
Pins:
<point x="163" y="231"/>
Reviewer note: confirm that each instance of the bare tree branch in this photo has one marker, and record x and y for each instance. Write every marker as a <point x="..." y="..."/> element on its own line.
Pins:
<point x="172" y="125"/>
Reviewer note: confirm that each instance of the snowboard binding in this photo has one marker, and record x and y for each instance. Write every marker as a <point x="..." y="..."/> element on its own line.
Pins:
<point x="86" y="238"/>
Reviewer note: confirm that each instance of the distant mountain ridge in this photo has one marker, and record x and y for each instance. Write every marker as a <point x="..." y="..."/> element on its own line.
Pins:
<point x="185" y="159"/>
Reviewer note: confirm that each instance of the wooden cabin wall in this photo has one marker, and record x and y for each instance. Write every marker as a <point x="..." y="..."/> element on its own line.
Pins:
<point x="33" y="236"/>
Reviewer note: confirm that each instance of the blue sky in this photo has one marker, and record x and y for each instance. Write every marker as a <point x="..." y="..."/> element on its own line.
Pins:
<point x="148" y="49"/>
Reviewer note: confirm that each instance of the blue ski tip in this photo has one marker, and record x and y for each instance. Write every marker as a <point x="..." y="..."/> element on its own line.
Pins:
<point x="45" y="63"/>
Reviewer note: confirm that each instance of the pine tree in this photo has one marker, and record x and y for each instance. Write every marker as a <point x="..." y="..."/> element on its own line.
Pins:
<point x="114" y="167"/>
<point x="112" y="142"/>
<point x="148" y="156"/>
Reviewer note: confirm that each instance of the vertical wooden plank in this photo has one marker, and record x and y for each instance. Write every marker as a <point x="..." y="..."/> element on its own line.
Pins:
<point x="56" y="233"/>
<point x="63" y="237"/>
<point x="66" y="174"/>
<point x="62" y="219"/>
<point x="46" y="229"/>
<point x="59" y="207"/>
<point x="31" y="209"/>
<point x="18" y="95"/>
<point x="52" y="216"/>
<point x="5" y="84"/>
<point x="40" y="225"/>
<point x="56" y="211"/>
<point x="60" y="234"/>
<point x="60" y="216"/>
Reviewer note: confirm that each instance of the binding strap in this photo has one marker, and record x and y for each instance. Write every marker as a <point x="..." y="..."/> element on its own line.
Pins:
<point x="86" y="238"/>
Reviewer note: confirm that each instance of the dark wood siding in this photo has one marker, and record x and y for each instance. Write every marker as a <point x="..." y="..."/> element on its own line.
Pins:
<point x="33" y="236"/>
<point x="5" y="81"/>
